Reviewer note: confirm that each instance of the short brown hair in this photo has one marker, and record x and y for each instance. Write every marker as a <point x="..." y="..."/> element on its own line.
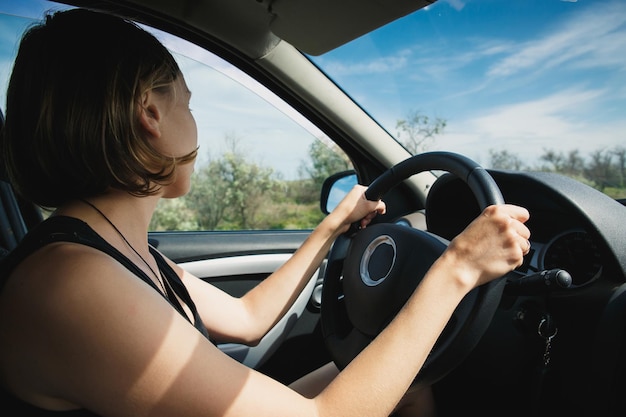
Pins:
<point x="71" y="124"/>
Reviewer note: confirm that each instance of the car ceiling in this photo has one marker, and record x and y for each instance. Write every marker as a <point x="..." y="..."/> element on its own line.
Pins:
<point x="254" y="27"/>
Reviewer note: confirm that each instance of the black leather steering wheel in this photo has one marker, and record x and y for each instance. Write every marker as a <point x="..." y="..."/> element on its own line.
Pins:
<point x="370" y="274"/>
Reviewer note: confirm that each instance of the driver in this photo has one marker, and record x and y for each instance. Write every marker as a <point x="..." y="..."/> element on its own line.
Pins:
<point x="96" y="322"/>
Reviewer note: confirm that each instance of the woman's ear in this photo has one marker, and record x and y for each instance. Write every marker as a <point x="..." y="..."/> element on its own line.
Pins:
<point x="150" y="115"/>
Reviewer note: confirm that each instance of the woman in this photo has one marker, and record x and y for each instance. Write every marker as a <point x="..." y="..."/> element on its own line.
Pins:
<point x="100" y="129"/>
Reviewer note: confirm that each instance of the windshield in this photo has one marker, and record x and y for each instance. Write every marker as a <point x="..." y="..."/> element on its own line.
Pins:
<point x="516" y="84"/>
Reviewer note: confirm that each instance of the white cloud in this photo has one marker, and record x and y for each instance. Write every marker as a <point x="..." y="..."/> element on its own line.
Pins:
<point x="456" y="4"/>
<point x="550" y="116"/>
<point x="572" y="43"/>
<point x="267" y="130"/>
<point x="379" y="65"/>
<point x="562" y="121"/>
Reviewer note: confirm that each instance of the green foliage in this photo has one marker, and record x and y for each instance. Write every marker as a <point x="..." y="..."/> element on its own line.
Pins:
<point x="616" y="193"/>
<point x="173" y="214"/>
<point x="325" y="160"/>
<point x="604" y="169"/>
<point x="293" y="216"/>
<point x="505" y="160"/>
<point x="233" y="193"/>
<point x="229" y="191"/>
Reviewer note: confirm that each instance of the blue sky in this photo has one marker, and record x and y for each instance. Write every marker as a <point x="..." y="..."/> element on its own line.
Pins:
<point x="514" y="72"/>
<point x="520" y="75"/>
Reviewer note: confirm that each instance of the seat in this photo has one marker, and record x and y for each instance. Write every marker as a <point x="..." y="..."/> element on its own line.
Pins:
<point x="16" y="215"/>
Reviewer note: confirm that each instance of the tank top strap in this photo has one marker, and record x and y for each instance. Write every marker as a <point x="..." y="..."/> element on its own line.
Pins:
<point x="175" y="287"/>
<point x="70" y="229"/>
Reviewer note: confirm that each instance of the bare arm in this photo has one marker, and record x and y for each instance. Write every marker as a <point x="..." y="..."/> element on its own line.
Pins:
<point x="88" y="333"/>
<point x="491" y="246"/>
<point x="249" y="318"/>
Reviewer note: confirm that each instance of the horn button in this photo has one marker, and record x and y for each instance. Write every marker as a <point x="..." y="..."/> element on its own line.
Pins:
<point x="382" y="270"/>
<point x="378" y="260"/>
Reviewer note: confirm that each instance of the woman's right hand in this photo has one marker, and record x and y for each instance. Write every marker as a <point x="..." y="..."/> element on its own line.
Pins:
<point x="355" y="207"/>
<point x="491" y="246"/>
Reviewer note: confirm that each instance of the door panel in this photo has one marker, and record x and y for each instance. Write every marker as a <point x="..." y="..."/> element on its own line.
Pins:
<point x="236" y="262"/>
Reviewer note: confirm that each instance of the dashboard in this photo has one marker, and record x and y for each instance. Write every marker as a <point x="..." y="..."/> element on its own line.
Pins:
<point x="573" y="226"/>
<point x="575" y="251"/>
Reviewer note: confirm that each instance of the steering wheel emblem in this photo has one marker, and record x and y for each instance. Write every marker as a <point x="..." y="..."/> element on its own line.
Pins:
<point x="378" y="260"/>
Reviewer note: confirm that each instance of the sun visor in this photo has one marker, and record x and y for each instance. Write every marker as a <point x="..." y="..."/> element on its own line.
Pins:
<point x="317" y="26"/>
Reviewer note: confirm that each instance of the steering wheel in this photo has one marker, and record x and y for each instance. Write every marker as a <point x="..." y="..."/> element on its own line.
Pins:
<point x="370" y="274"/>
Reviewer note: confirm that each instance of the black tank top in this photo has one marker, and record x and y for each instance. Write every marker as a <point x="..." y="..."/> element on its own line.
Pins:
<point x="69" y="229"/>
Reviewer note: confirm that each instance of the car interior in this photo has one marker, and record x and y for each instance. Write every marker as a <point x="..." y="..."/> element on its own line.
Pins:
<point x="16" y="216"/>
<point x="547" y="339"/>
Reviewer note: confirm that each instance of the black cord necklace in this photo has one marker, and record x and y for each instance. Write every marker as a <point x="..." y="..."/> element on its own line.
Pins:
<point x="159" y="279"/>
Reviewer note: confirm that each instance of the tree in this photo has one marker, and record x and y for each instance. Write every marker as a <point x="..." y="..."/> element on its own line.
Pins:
<point x="248" y="185"/>
<point x="504" y="160"/>
<point x="620" y="155"/>
<point x="553" y="161"/>
<point x="173" y="214"/>
<point x="601" y="169"/>
<point x="207" y="196"/>
<point x="228" y="192"/>
<point x="571" y="164"/>
<point x="417" y="130"/>
<point x="325" y="160"/>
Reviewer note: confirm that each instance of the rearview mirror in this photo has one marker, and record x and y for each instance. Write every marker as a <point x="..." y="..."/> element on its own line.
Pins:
<point x="335" y="189"/>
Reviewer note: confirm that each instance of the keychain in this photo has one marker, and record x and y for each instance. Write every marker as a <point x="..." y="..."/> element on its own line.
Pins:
<point x="547" y="330"/>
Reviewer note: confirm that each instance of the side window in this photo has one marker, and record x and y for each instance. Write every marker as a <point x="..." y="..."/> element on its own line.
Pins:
<point x="260" y="164"/>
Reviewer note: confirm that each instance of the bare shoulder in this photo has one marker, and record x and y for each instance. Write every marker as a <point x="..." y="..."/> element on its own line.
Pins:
<point x="74" y="312"/>
<point x="63" y="276"/>
<point x="79" y="330"/>
<point x="67" y="285"/>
